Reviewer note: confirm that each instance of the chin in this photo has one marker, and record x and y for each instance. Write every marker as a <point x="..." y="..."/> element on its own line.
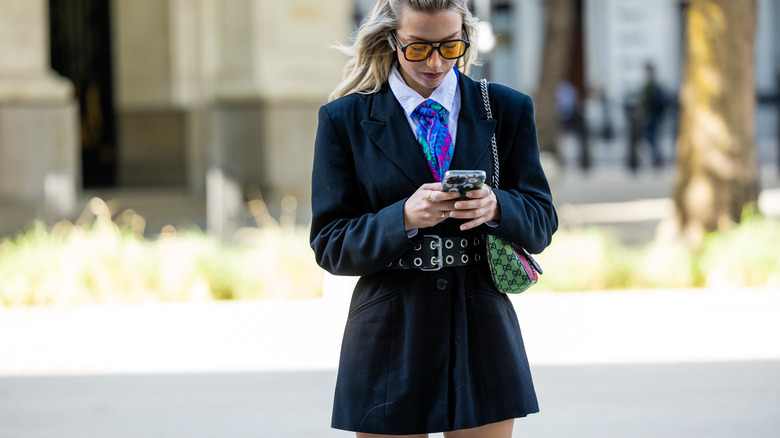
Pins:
<point x="430" y="83"/>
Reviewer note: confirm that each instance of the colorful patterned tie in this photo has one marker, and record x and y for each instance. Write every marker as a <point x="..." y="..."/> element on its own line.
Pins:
<point x="434" y="136"/>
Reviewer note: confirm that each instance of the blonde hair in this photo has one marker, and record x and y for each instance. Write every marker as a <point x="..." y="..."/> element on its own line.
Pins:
<point x="370" y="57"/>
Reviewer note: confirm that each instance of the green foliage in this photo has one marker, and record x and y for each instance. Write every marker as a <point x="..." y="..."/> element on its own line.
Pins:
<point x="585" y="259"/>
<point x="665" y="265"/>
<point x="746" y="255"/>
<point x="100" y="261"/>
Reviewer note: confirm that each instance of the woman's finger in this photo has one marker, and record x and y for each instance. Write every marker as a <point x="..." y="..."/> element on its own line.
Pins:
<point x="484" y="192"/>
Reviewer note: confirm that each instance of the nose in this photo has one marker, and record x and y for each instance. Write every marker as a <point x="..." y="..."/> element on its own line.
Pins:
<point x="435" y="60"/>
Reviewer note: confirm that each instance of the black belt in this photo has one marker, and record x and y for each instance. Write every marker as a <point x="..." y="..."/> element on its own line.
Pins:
<point x="432" y="253"/>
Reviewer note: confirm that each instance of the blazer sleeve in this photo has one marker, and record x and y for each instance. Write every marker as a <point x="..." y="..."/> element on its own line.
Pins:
<point x="528" y="217"/>
<point x="347" y="237"/>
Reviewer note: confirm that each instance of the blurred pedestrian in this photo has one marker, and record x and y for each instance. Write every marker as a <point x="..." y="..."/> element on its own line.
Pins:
<point x="570" y="113"/>
<point x="652" y="103"/>
<point x="567" y="102"/>
<point x="430" y="344"/>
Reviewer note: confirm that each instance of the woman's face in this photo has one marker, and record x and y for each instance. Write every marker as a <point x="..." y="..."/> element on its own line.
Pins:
<point x="424" y="76"/>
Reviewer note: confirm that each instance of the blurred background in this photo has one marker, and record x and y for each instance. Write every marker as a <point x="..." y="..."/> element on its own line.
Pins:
<point x="155" y="159"/>
<point x="197" y="100"/>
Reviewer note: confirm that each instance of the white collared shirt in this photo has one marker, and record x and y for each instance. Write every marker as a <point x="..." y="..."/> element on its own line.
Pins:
<point x="447" y="94"/>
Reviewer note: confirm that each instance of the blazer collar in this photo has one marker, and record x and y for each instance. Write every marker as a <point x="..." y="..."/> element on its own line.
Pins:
<point x="389" y="130"/>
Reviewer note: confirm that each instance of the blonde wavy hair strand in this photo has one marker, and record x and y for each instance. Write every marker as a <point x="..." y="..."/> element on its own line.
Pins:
<point x="370" y="57"/>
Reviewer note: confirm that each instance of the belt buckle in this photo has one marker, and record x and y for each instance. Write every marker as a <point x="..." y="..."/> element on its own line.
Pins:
<point x="435" y="245"/>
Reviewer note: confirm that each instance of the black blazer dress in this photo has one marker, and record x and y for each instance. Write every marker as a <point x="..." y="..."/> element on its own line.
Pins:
<point x="424" y="351"/>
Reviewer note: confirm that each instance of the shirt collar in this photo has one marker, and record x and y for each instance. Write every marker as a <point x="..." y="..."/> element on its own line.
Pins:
<point x="410" y="99"/>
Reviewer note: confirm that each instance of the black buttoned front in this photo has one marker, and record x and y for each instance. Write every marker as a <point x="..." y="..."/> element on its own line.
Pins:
<point x="441" y="284"/>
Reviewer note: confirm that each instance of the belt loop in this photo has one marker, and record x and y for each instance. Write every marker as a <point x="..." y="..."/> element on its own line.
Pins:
<point x="437" y="259"/>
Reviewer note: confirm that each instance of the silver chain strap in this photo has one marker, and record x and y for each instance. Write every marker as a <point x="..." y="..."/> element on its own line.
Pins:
<point x="486" y="100"/>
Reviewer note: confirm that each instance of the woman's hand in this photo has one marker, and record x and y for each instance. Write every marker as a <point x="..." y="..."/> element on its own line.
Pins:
<point x="428" y="206"/>
<point x="481" y="206"/>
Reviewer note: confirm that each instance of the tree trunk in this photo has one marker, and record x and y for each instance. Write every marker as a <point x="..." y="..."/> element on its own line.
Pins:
<point x="555" y="65"/>
<point x="717" y="172"/>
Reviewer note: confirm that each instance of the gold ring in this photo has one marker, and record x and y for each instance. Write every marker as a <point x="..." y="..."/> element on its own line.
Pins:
<point x="429" y="197"/>
<point x="444" y="215"/>
<point x="490" y="191"/>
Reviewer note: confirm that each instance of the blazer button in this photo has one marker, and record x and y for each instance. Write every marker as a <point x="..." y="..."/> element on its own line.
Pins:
<point x="441" y="284"/>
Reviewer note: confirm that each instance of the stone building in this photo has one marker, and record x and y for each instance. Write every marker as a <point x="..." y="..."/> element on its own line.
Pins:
<point x="212" y="95"/>
<point x="160" y="93"/>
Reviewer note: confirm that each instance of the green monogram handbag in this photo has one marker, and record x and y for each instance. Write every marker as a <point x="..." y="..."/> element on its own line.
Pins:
<point x="512" y="267"/>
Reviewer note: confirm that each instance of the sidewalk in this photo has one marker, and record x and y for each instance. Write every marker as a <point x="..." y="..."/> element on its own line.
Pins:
<point x="655" y="326"/>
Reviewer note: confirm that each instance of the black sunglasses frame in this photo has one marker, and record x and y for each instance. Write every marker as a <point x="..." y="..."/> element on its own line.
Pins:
<point x="433" y="48"/>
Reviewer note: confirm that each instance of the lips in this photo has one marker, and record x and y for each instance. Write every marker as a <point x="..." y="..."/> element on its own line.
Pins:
<point x="433" y="75"/>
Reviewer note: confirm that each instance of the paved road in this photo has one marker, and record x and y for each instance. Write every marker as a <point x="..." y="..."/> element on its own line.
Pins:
<point x="621" y="364"/>
<point x="713" y="400"/>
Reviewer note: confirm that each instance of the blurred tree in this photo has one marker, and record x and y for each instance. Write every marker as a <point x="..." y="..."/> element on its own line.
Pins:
<point x="717" y="172"/>
<point x="555" y="64"/>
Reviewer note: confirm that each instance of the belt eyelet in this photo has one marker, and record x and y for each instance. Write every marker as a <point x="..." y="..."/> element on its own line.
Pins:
<point x="418" y="261"/>
<point x="448" y="243"/>
<point x="449" y="259"/>
<point x="464" y="242"/>
<point x="464" y="258"/>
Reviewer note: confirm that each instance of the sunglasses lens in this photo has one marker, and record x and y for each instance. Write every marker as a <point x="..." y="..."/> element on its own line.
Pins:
<point x="421" y="51"/>
<point x="418" y="52"/>
<point x="454" y="49"/>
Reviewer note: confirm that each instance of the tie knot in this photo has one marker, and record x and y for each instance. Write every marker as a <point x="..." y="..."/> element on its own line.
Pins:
<point x="434" y="137"/>
<point x="430" y="109"/>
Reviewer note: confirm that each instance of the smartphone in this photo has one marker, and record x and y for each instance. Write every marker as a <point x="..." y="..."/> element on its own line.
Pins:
<point x="462" y="181"/>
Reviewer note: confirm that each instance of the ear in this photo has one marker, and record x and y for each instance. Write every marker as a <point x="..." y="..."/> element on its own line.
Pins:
<point x="390" y="41"/>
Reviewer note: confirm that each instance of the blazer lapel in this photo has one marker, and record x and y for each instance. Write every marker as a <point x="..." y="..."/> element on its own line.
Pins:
<point x="389" y="130"/>
<point x="475" y="130"/>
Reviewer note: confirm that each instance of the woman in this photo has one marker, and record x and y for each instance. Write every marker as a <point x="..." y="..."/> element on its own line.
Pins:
<point x="429" y="346"/>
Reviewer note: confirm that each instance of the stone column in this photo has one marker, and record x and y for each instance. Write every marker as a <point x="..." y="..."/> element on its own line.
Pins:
<point x="150" y="123"/>
<point x="38" y="119"/>
<point x="165" y="64"/>
<point x="232" y="85"/>
<point x="276" y="68"/>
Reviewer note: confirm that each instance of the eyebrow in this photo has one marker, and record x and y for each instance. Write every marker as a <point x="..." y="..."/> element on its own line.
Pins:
<point x="423" y="40"/>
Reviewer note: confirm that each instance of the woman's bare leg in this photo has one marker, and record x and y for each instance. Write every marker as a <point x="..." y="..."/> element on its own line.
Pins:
<point x="502" y="429"/>
<point x="371" y="435"/>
